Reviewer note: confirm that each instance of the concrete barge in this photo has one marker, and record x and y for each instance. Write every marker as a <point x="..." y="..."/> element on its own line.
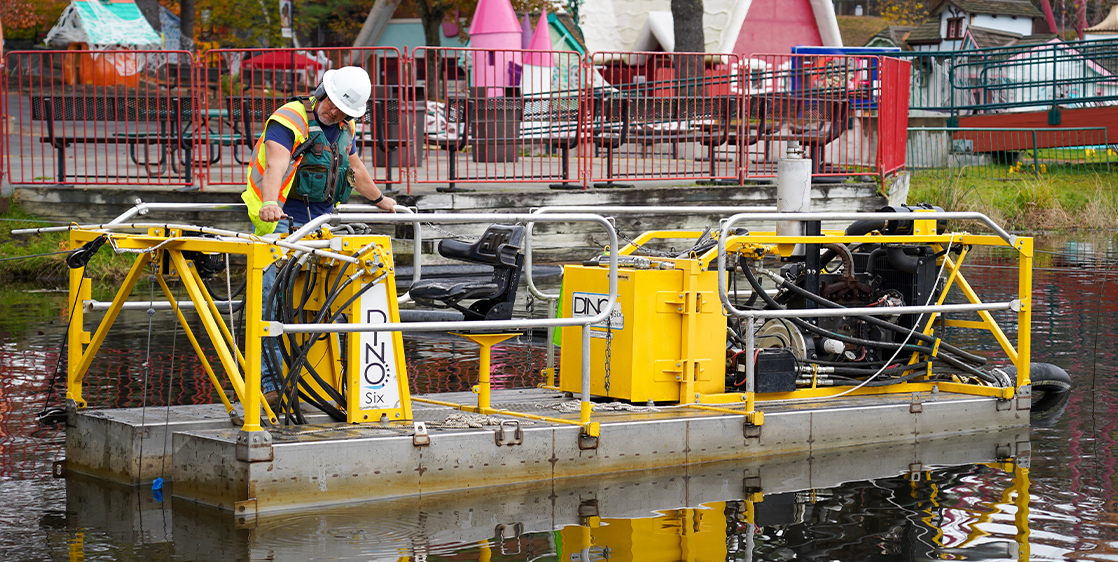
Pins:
<point x="329" y="463"/>
<point x="665" y="361"/>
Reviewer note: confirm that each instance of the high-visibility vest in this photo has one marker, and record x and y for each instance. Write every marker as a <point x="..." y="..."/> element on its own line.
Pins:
<point x="292" y="115"/>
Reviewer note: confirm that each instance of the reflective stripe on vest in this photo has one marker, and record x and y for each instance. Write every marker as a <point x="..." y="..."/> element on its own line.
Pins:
<point x="292" y="115"/>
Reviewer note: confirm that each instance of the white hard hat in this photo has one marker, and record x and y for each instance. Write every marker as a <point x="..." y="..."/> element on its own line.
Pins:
<point x="348" y="87"/>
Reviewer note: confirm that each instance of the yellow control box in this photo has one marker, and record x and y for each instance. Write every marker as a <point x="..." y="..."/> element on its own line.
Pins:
<point x="668" y="325"/>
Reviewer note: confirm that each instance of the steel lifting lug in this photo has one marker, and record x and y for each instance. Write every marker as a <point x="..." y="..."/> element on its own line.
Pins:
<point x="916" y="406"/>
<point x="420" y="438"/>
<point x="514" y="436"/>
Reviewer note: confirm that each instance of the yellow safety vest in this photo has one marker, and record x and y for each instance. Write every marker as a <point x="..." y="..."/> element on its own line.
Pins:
<point x="292" y="115"/>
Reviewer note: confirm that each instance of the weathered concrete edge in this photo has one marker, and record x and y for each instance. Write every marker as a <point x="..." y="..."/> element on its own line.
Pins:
<point x="343" y="471"/>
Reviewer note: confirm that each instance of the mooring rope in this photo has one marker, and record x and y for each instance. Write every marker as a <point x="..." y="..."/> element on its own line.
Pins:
<point x="167" y="412"/>
<point x="145" y="373"/>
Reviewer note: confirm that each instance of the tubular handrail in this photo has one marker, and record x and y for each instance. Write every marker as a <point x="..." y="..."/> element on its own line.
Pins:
<point x="619" y="210"/>
<point x="142" y="208"/>
<point x="276" y="328"/>
<point x="195" y="228"/>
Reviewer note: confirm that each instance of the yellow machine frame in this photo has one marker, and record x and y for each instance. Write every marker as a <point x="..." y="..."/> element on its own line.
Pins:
<point x="160" y="254"/>
<point x="761" y="243"/>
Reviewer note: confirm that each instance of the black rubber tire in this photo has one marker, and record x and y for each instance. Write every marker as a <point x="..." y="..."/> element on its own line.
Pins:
<point x="1051" y="391"/>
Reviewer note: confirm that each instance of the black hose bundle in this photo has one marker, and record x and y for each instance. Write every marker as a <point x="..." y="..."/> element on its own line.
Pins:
<point x="284" y="305"/>
<point x="944" y="354"/>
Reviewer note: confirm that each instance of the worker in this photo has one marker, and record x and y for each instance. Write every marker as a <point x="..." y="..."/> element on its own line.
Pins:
<point x="304" y="163"/>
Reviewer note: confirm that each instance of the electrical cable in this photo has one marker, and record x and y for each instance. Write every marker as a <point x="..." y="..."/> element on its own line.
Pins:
<point x="970" y="357"/>
<point x="807" y="326"/>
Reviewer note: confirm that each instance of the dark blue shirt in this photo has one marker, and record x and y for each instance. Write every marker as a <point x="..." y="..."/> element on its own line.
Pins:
<point x="302" y="212"/>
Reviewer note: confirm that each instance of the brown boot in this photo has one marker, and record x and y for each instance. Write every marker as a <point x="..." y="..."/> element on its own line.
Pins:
<point x="273" y="400"/>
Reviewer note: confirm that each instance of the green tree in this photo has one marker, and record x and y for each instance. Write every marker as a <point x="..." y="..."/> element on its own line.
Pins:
<point x="23" y="19"/>
<point x="339" y="17"/>
<point x="904" y="12"/>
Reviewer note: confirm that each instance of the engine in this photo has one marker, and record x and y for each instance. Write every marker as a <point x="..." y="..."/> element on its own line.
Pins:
<point x="801" y="352"/>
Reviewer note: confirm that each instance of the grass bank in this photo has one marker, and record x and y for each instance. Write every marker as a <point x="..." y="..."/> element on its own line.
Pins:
<point x="1031" y="203"/>
<point x="38" y="257"/>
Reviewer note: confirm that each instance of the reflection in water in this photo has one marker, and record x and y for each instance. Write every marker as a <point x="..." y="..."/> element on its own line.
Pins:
<point x="846" y="504"/>
<point x="853" y="507"/>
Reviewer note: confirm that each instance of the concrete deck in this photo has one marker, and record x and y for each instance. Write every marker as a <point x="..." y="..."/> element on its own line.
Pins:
<point x="327" y="463"/>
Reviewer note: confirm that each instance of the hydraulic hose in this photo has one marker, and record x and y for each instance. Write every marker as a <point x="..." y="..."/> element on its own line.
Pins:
<point x="969" y="357"/>
<point x="864" y="342"/>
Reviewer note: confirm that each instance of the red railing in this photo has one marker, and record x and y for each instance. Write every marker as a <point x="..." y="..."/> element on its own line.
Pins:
<point x="453" y="117"/>
<point x="827" y="104"/>
<point x="892" y="114"/>
<point x="113" y="117"/>
<point x="499" y="116"/>
<point x="663" y="116"/>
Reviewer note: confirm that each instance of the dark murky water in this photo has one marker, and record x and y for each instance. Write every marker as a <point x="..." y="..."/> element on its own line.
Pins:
<point x="862" y="505"/>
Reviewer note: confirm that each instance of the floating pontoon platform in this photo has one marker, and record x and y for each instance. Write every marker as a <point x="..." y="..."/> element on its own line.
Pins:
<point x="333" y="463"/>
<point x="664" y="331"/>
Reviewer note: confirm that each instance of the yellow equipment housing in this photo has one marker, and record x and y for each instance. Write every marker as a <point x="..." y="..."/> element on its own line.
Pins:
<point x="666" y="339"/>
<point x="373" y="376"/>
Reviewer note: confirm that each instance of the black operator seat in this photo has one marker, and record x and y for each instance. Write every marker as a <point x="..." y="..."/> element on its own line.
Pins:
<point x="501" y="246"/>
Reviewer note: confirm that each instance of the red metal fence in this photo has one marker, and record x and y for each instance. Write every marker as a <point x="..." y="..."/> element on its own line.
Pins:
<point x="663" y="116"/>
<point x="101" y="117"/>
<point x="455" y="117"/>
<point x="499" y="116"/>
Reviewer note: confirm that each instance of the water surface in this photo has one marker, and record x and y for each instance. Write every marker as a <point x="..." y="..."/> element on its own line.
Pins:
<point x="869" y="504"/>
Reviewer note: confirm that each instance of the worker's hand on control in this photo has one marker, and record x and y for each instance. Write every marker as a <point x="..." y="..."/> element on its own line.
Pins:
<point x="271" y="213"/>
<point x="388" y="204"/>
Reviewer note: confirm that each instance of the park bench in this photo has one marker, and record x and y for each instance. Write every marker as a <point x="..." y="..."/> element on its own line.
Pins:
<point x="544" y="120"/>
<point x="131" y="120"/>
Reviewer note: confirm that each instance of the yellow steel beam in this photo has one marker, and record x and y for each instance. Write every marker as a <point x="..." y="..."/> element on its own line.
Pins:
<point x="755" y="418"/>
<point x="80" y="290"/>
<point x="972" y="324"/>
<point x="220" y="320"/>
<point x="79" y="368"/>
<point x="197" y="295"/>
<point x="258" y="258"/>
<point x="976" y="390"/>
<point x="988" y="319"/>
<point x="953" y="273"/>
<point x="1024" y="316"/>
<point x="198" y="348"/>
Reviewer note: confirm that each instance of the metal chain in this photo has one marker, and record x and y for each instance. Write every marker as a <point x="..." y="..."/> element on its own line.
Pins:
<point x="448" y="233"/>
<point x="609" y="346"/>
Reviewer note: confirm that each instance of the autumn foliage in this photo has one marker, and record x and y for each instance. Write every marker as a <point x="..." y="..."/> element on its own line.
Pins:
<point x="29" y="15"/>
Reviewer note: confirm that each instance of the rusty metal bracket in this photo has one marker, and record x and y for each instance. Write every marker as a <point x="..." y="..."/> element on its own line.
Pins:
<point x="916" y="406"/>
<point x="254" y="446"/>
<point x="1025" y="398"/>
<point x="515" y="436"/>
<point x="587" y="442"/>
<point x="245" y="513"/>
<point x="58" y="469"/>
<point x="420" y="438"/>
<point x="751" y="431"/>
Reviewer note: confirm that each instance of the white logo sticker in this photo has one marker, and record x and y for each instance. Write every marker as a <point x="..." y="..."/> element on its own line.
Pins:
<point x="592" y="304"/>
<point x="379" y="388"/>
